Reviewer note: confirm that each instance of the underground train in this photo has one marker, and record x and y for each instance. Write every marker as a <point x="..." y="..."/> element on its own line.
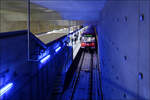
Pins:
<point x="88" y="39"/>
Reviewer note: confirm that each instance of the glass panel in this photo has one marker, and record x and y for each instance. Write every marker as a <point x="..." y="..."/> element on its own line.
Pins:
<point x="13" y="15"/>
<point x="46" y="26"/>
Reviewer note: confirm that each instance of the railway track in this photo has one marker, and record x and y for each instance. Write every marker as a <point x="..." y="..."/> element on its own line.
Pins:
<point x="86" y="82"/>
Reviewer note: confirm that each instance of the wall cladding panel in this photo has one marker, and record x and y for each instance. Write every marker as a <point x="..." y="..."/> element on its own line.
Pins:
<point x="124" y="49"/>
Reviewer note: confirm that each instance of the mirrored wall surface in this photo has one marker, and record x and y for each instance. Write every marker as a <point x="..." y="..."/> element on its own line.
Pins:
<point x="39" y="26"/>
<point x="13" y="15"/>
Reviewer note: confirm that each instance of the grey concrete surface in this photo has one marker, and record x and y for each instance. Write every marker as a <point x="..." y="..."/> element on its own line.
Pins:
<point x="124" y="49"/>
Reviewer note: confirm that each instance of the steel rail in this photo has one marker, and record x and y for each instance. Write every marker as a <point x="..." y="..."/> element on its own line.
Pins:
<point x="77" y="78"/>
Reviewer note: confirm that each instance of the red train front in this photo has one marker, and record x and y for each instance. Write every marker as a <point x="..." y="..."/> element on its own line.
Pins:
<point x="88" y="39"/>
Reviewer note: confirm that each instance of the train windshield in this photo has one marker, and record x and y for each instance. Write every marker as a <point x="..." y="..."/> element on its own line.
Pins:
<point x="88" y="39"/>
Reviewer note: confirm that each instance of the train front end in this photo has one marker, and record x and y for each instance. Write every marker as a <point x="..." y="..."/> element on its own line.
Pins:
<point x="88" y="41"/>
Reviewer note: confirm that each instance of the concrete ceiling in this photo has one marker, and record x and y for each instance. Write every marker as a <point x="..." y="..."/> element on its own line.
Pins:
<point x="74" y="9"/>
<point x="56" y="11"/>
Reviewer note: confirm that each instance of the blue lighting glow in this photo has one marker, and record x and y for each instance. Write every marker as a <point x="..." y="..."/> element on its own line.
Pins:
<point x="5" y="88"/>
<point x="45" y="58"/>
<point x="57" y="49"/>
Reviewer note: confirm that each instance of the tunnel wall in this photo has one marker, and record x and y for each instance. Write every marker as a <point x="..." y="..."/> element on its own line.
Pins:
<point x="32" y="80"/>
<point x="124" y="46"/>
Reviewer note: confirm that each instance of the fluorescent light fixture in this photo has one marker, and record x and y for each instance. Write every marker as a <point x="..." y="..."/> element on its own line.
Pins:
<point x="40" y="8"/>
<point x="5" y="88"/>
<point x="45" y="58"/>
<point x="49" y="10"/>
<point x="57" y="49"/>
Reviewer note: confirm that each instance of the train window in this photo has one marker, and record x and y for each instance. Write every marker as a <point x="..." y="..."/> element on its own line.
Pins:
<point x="88" y="39"/>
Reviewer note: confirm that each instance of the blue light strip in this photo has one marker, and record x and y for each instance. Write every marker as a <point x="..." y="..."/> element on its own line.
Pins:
<point x="5" y="88"/>
<point x="45" y="58"/>
<point x="57" y="49"/>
